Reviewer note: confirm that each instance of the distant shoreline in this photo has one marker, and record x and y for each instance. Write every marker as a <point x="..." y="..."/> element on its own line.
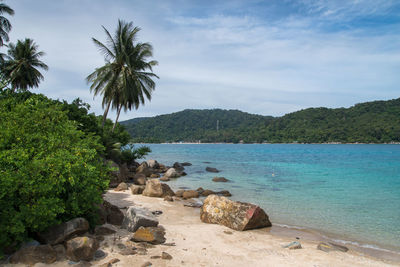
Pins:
<point x="221" y="143"/>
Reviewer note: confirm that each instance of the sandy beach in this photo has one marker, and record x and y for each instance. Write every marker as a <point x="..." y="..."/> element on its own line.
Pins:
<point x="201" y="244"/>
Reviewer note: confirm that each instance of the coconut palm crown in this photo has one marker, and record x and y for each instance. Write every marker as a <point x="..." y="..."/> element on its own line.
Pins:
<point x="125" y="81"/>
<point x="5" y="25"/>
<point x="21" y="68"/>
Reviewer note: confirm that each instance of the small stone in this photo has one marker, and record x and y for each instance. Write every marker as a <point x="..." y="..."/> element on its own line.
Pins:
<point x="228" y="232"/>
<point x="121" y="246"/>
<point x="146" y="264"/>
<point x="155" y="257"/>
<point x="327" y="247"/>
<point x="142" y="251"/>
<point x="166" y="256"/>
<point x="210" y="169"/>
<point x="99" y="254"/>
<point x="128" y="251"/>
<point x="220" y="179"/>
<point x="293" y="245"/>
<point x="155" y="175"/>
<point x="137" y="189"/>
<point x="169" y="244"/>
<point x="157" y="212"/>
<point x="121" y="187"/>
<point x="115" y="260"/>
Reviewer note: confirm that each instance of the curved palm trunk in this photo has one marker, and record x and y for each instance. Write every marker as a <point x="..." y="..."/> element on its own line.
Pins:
<point x="116" y="120"/>
<point x="105" y="114"/>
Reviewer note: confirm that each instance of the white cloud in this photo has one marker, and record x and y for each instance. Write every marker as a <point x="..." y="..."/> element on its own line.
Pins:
<point x="220" y="60"/>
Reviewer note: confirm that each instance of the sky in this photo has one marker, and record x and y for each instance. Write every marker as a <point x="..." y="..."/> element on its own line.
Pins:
<point x="263" y="57"/>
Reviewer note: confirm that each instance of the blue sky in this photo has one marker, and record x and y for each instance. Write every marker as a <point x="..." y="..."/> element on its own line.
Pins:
<point x="263" y="57"/>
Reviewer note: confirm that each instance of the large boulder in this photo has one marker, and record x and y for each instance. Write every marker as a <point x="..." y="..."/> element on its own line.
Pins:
<point x="34" y="254"/>
<point x="210" y="169"/>
<point x="235" y="215"/>
<point x="113" y="215"/>
<point x="82" y="248"/>
<point x="153" y="164"/>
<point x="156" y="189"/>
<point x="145" y="169"/>
<point x="62" y="232"/>
<point x="137" y="217"/>
<point x="137" y="189"/>
<point x="153" y="235"/>
<point x="171" y="173"/>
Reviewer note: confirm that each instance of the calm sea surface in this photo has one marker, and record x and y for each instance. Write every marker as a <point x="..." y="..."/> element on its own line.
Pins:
<point x="351" y="192"/>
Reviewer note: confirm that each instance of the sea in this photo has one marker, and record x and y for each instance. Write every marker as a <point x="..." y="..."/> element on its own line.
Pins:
<point x="348" y="192"/>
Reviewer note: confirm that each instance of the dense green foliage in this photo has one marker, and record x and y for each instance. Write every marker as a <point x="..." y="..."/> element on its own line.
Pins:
<point x="5" y="25"/>
<point x="372" y="122"/>
<point x="50" y="171"/>
<point x="193" y="125"/>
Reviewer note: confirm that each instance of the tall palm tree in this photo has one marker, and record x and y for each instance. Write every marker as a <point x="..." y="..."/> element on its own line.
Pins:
<point x="22" y="64"/>
<point x="124" y="81"/>
<point x="5" y="25"/>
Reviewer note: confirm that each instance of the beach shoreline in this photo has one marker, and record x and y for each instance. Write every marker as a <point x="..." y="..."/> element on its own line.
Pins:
<point x="196" y="241"/>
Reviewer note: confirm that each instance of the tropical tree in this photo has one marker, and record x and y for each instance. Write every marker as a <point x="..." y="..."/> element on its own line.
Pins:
<point x="127" y="77"/>
<point x="22" y="63"/>
<point x="5" y="25"/>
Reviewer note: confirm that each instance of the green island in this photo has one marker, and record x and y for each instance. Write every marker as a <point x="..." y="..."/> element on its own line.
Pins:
<point x="371" y="122"/>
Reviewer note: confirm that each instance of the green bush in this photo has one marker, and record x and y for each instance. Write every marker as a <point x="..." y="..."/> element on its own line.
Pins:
<point x="50" y="171"/>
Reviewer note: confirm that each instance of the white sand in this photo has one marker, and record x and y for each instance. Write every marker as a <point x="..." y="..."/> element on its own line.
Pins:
<point x="200" y="244"/>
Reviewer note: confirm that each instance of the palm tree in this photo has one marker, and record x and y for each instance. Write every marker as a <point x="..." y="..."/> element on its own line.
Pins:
<point x="124" y="81"/>
<point x="5" y="25"/>
<point x="22" y="63"/>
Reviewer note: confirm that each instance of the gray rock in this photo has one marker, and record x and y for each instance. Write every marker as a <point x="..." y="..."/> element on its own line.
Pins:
<point x="60" y="252"/>
<point x="186" y="164"/>
<point x="136" y="217"/>
<point x="139" y="179"/>
<point x="103" y="230"/>
<point x="190" y="194"/>
<point x="178" y="167"/>
<point x="82" y="248"/>
<point x="113" y="214"/>
<point x="166" y="256"/>
<point x="99" y="254"/>
<point x="62" y="232"/>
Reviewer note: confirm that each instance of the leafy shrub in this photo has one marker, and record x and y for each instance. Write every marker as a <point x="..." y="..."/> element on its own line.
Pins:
<point x="50" y="171"/>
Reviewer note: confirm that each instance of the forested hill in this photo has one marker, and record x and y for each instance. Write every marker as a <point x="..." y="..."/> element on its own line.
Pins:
<point x="371" y="122"/>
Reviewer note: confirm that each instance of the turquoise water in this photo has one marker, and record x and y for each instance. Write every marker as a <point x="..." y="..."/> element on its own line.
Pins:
<point x="350" y="192"/>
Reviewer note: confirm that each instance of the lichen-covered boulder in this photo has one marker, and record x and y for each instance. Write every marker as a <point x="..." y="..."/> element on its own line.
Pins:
<point x="137" y="217"/>
<point x="34" y="254"/>
<point x="233" y="214"/>
<point x="62" y="232"/>
<point x="156" y="189"/>
<point x="153" y="235"/>
<point x="171" y="173"/>
<point x="82" y="248"/>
